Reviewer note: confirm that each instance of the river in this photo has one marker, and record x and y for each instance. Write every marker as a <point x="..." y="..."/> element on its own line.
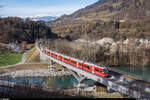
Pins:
<point x="54" y="82"/>
<point x="141" y="72"/>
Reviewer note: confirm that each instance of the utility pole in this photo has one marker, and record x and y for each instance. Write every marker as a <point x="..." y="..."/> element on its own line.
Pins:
<point x="44" y="41"/>
<point x="86" y="47"/>
<point x="95" y="51"/>
<point x="56" y="45"/>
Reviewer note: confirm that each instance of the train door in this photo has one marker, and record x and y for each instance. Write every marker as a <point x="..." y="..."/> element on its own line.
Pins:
<point x="60" y="58"/>
<point x="66" y="60"/>
<point x="73" y="62"/>
<point x="80" y="65"/>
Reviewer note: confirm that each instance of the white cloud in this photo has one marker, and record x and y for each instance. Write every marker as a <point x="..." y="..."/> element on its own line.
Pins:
<point x="54" y="11"/>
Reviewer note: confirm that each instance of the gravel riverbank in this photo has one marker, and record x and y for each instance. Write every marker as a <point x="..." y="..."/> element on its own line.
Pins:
<point x="35" y="73"/>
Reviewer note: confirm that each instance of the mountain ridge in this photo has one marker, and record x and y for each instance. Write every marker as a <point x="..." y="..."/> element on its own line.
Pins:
<point x="43" y="18"/>
<point x="102" y="19"/>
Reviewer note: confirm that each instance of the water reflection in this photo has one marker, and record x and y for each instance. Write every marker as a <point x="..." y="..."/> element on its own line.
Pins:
<point x="55" y="82"/>
<point x="61" y="82"/>
<point x="137" y="71"/>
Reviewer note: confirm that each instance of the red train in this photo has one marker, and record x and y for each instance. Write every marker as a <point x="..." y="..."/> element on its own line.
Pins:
<point x="92" y="68"/>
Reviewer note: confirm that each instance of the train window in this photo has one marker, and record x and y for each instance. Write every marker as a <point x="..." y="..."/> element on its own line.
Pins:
<point x="80" y="64"/>
<point x="66" y="59"/>
<point x="55" y="55"/>
<point x="73" y="62"/>
<point x="87" y="66"/>
<point x="60" y="57"/>
<point x="96" y="69"/>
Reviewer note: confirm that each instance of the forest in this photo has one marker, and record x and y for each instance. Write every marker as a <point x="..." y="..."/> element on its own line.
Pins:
<point x="108" y="55"/>
<point x="14" y="29"/>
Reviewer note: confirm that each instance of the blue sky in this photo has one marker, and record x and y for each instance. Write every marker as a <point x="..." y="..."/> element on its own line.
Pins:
<point x="37" y="7"/>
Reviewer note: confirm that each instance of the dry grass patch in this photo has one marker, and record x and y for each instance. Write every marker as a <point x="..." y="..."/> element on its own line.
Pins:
<point x="25" y="67"/>
<point x="29" y="66"/>
<point x="58" y="67"/>
<point x="108" y="95"/>
<point x="33" y="56"/>
<point x="101" y="92"/>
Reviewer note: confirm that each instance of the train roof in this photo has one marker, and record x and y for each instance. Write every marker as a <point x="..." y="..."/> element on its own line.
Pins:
<point x="95" y="65"/>
<point x="76" y="59"/>
<point x="58" y="53"/>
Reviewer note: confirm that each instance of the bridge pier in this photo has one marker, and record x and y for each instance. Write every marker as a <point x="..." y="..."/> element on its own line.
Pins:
<point x="51" y="62"/>
<point x="109" y="90"/>
<point x="79" y="77"/>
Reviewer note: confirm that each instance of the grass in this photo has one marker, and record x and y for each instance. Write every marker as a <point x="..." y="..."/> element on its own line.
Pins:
<point x="9" y="58"/>
<point x="108" y="95"/>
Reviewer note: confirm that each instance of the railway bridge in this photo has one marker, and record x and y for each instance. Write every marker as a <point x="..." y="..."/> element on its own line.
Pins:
<point x="126" y="86"/>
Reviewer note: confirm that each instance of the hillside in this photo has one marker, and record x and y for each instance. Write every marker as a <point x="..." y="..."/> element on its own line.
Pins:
<point x="16" y="29"/>
<point x="102" y="19"/>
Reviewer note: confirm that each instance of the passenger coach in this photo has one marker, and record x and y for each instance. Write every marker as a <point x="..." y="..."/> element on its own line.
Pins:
<point x="89" y="67"/>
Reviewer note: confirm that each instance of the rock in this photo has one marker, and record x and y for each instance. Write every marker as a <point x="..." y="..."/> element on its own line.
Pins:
<point x="104" y="41"/>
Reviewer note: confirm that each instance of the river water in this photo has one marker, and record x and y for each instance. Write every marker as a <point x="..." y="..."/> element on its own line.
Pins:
<point x="70" y="82"/>
<point x="141" y="72"/>
<point x="54" y="82"/>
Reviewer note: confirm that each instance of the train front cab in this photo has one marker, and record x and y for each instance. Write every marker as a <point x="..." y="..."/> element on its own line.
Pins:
<point x="44" y="51"/>
<point x="100" y="72"/>
<point x="106" y="73"/>
<point x="49" y="53"/>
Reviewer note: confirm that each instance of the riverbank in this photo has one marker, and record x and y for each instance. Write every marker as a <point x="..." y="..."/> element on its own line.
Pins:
<point x="36" y="73"/>
<point x="35" y="69"/>
<point x="141" y="73"/>
<point x="41" y="70"/>
<point x="24" y="67"/>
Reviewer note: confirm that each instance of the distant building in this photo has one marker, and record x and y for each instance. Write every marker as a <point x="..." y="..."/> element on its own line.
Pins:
<point x="24" y="45"/>
<point x="122" y="21"/>
<point x="126" y="41"/>
<point x="14" y="46"/>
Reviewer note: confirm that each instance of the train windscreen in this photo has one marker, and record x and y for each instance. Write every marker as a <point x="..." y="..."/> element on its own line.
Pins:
<point x="105" y="71"/>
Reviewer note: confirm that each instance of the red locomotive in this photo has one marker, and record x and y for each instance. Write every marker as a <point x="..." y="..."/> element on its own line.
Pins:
<point x="92" y="68"/>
